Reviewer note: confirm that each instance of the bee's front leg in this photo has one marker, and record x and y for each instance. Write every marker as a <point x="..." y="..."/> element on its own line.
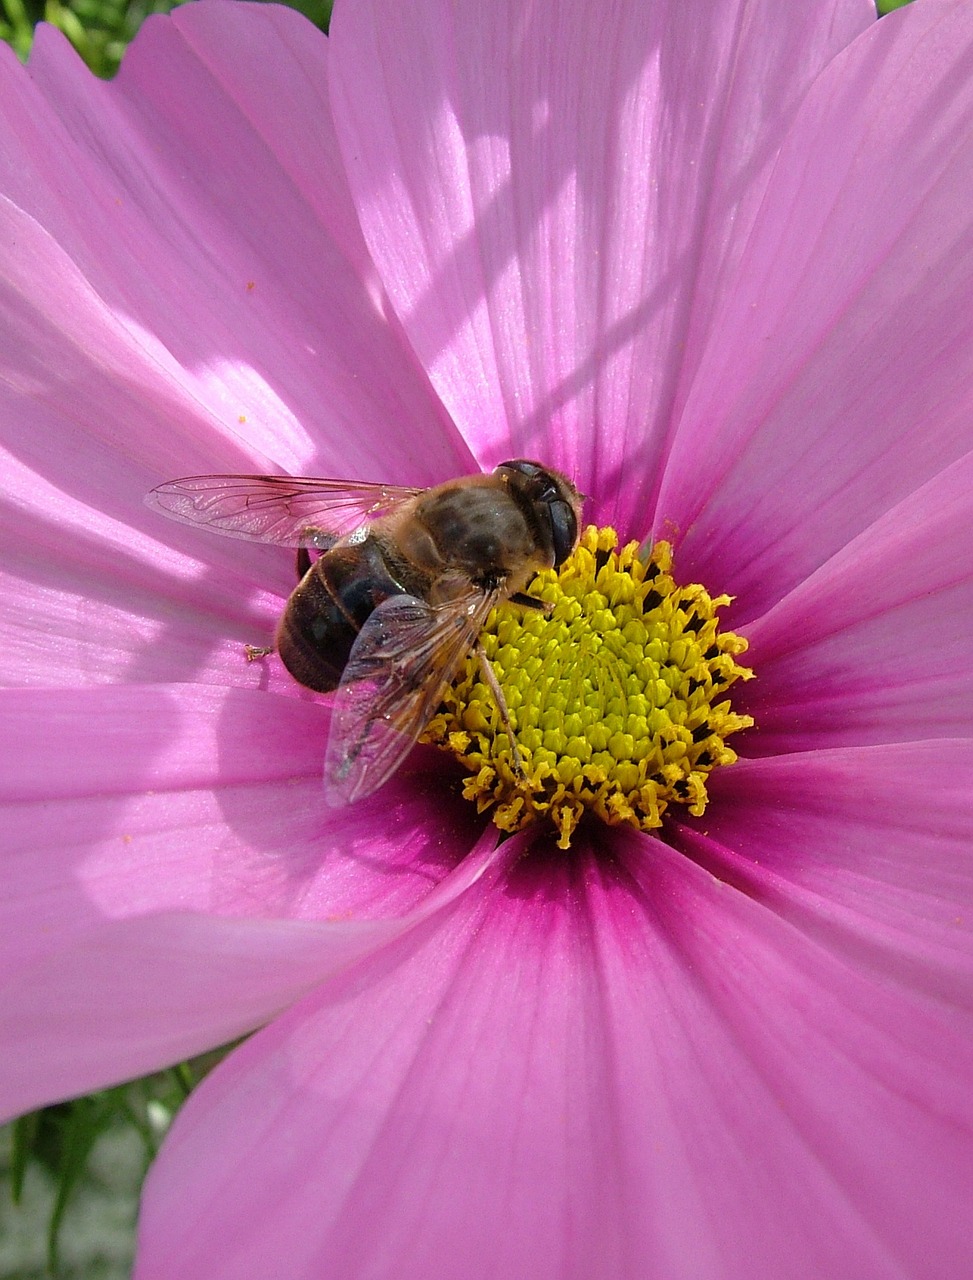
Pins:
<point x="531" y="602"/>
<point x="493" y="684"/>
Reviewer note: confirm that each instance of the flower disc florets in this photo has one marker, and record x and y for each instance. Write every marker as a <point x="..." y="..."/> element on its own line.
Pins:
<point x="614" y="694"/>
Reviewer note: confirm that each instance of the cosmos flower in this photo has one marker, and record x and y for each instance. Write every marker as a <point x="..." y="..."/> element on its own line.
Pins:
<point x="713" y="262"/>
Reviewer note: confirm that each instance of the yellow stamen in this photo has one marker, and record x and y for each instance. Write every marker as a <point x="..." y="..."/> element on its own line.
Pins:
<point x="615" y="695"/>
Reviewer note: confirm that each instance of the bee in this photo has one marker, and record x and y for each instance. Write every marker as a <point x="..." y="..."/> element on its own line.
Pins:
<point x="398" y="593"/>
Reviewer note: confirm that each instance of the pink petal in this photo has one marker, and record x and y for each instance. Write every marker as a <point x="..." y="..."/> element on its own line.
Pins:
<point x="133" y="996"/>
<point x="173" y="877"/>
<point x="839" y="372"/>
<point x="219" y="312"/>
<point x="80" y="611"/>
<point x="864" y="849"/>
<point x="876" y="645"/>
<point x="649" y="1108"/>
<point x="89" y="590"/>
<point x="554" y="205"/>
<point x="129" y="799"/>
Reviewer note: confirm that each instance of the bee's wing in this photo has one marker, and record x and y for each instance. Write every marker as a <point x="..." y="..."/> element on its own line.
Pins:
<point x="290" y="511"/>
<point x="404" y="656"/>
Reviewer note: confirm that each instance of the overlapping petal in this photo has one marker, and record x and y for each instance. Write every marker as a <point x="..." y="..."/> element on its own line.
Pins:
<point x="182" y="292"/>
<point x="555" y="203"/>
<point x="875" y="646"/>
<point x="865" y="849"/>
<point x="838" y="376"/>
<point x="234" y="251"/>
<point x="573" y="1073"/>
<point x="172" y="877"/>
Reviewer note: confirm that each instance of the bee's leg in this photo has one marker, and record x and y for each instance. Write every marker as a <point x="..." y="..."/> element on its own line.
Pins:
<point x="531" y="602"/>
<point x="303" y="562"/>
<point x="254" y="651"/>
<point x="493" y="684"/>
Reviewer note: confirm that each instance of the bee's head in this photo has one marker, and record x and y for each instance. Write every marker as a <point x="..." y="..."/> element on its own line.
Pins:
<point x="552" y="502"/>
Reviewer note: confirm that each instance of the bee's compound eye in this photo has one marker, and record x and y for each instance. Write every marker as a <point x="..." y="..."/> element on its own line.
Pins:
<point x="564" y="527"/>
<point x="523" y="465"/>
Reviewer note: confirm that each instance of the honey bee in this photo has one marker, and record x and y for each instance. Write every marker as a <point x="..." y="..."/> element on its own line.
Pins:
<point x="400" y="590"/>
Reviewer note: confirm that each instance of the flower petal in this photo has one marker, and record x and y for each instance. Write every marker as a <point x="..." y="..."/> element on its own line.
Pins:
<point x="90" y="593"/>
<point x="597" y="1070"/>
<point x="839" y="373"/>
<point x="553" y="204"/>
<point x="237" y="321"/>
<point x="162" y="847"/>
<point x="865" y="849"/>
<point x="876" y="645"/>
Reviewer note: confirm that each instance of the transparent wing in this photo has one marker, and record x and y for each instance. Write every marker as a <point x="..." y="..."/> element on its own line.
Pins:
<point x="405" y="655"/>
<point x="290" y="511"/>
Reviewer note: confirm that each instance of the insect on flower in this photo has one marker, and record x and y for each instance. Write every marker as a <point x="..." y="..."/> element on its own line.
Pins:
<point x="398" y="595"/>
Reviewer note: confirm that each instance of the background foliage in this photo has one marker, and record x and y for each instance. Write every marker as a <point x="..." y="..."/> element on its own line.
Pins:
<point x="100" y="29"/>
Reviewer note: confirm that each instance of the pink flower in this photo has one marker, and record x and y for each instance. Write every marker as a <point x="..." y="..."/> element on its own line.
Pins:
<point x="715" y="262"/>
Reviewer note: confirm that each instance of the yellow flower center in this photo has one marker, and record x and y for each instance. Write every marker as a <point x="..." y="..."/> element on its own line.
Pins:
<point x="615" y="694"/>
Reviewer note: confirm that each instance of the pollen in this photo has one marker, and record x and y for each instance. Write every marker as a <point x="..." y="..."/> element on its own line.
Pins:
<point x="616" y="692"/>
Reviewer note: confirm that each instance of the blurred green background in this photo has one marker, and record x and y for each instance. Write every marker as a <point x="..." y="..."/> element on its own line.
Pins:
<point x="100" y="29"/>
<point x="71" y="1174"/>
